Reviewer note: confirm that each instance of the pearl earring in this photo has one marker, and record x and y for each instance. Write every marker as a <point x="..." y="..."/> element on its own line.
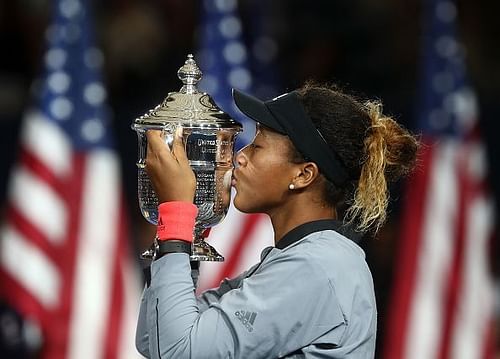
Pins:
<point x="291" y="186"/>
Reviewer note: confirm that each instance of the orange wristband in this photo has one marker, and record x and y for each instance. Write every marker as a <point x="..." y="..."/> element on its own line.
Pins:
<point x="176" y="220"/>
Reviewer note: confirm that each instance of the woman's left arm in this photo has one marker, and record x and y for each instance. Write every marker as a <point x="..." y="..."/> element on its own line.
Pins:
<point x="172" y="306"/>
<point x="141" y="333"/>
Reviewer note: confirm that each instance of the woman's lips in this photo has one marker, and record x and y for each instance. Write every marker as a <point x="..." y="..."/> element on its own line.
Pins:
<point x="233" y="179"/>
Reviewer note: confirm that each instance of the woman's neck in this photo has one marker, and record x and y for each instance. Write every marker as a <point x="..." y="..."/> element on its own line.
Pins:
<point x="296" y="213"/>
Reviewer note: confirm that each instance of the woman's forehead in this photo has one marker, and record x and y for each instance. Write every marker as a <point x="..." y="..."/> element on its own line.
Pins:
<point x="267" y="132"/>
<point x="276" y="138"/>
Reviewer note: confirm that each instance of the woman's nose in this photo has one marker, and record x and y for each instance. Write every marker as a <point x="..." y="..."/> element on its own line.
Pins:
<point x="240" y="158"/>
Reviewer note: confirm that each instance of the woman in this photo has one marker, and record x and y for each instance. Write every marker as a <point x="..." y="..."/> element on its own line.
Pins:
<point x="315" y="152"/>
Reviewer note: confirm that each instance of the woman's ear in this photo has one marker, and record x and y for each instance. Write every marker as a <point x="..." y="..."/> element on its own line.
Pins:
<point x="306" y="174"/>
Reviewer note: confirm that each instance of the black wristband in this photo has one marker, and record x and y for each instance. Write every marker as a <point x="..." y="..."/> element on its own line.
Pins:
<point x="172" y="246"/>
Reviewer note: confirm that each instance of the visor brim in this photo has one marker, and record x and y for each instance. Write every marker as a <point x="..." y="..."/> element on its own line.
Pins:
<point x="256" y="110"/>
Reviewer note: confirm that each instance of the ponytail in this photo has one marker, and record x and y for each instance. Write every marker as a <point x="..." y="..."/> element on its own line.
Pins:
<point x="389" y="154"/>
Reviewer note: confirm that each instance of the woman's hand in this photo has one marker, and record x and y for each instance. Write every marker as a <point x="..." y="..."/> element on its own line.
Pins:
<point x="168" y="170"/>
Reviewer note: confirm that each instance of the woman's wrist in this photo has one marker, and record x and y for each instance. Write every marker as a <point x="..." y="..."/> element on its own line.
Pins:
<point x="176" y="220"/>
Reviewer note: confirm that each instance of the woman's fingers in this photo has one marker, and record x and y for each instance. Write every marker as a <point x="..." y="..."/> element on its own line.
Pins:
<point x="157" y="145"/>
<point x="178" y="149"/>
<point x="169" y="171"/>
<point x="158" y="156"/>
<point x="156" y="142"/>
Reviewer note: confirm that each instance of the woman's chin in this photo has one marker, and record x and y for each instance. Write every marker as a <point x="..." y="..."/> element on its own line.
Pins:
<point x="239" y="204"/>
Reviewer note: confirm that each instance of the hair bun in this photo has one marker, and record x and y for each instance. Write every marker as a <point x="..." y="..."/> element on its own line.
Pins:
<point x="398" y="147"/>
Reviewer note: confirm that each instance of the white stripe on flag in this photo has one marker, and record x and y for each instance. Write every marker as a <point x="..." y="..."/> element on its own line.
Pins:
<point x="47" y="141"/>
<point x="223" y="237"/>
<point x="475" y="306"/>
<point x="96" y="248"/>
<point x="30" y="267"/>
<point x="39" y="203"/>
<point x="425" y="320"/>
<point x="262" y="237"/>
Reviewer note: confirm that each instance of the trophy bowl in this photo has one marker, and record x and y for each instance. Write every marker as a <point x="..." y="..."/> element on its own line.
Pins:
<point x="209" y="136"/>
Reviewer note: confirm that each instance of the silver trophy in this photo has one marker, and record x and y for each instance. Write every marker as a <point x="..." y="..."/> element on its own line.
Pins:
<point x="209" y="136"/>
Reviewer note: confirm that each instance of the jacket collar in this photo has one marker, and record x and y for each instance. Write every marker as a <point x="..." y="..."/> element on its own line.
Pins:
<point x="307" y="228"/>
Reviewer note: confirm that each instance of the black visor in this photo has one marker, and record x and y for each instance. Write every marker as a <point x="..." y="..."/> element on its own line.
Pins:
<point x="286" y="115"/>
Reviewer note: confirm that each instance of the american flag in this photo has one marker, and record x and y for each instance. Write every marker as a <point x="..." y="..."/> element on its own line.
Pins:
<point x="443" y="295"/>
<point x="224" y="60"/>
<point x="64" y="257"/>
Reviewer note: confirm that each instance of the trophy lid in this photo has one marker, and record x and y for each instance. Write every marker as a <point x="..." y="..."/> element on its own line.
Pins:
<point x="188" y="107"/>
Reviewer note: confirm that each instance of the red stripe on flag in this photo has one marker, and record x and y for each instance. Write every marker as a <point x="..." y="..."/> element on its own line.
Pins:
<point x="406" y="265"/>
<point x="38" y="168"/>
<point x="25" y="227"/>
<point x="233" y="258"/>
<point x="115" y="317"/>
<point x="18" y="297"/>
<point x="57" y="338"/>
<point x="489" y="341"/>
<point x="489" y="346"/>
<point x="54" y="324"/>
<point x="455" y="278"/>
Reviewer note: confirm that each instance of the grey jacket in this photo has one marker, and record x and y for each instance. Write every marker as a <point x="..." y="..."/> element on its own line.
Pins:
<point x="310" y="297"/>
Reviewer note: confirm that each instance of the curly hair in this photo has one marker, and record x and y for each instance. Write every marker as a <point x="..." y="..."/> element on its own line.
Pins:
<point x="373" y="148"/>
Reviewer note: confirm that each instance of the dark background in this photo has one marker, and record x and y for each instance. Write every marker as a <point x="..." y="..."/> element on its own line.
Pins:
<point x="371" y="47"/>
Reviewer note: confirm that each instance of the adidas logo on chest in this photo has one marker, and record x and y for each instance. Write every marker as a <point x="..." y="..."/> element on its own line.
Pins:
<point x="247" y="318"/>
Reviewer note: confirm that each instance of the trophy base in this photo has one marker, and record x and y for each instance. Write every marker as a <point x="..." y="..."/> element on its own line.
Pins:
<point x="202" y="251"/>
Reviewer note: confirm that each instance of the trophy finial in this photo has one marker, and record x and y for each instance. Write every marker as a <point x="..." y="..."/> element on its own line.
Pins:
<point x="189" y="74"/>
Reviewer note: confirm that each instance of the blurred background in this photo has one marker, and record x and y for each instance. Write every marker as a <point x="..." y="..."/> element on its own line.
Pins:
<point x="373" y="49"/>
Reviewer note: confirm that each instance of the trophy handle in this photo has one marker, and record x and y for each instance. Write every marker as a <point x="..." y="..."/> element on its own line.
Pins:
<point x="149" y="253"/>
<point x="201" y="250"/>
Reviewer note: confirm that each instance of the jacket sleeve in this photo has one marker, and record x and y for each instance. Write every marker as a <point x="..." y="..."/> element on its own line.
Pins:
<point x="213" y="295"/>
<point x="141" y="333"/>
<point x="262" y="318"/>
